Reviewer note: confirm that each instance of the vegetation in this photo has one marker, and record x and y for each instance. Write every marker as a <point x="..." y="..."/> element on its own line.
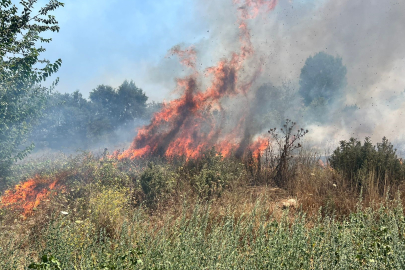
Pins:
<point x="71" y="121"/>
<point x="21" y="72"/>
<point x="122" y="105"/>
<point x="210" y="212"/>
<point x="322" y="76"/>
<point x="202" y="213"/>
<point x="373" y="166"/>
<point x="286" y="142"/>
<point x="281" y="209"/>
<point x="322" y="83"/>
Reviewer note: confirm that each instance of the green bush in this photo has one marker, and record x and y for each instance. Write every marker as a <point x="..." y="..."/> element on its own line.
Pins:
<point x="107" y="209"/>
<point x="46" y="263"/>
<point x="215" y="174"/>
<point x="157" y="183"/>
<point x="209" y="182"/>
<point x="361" y="162"/>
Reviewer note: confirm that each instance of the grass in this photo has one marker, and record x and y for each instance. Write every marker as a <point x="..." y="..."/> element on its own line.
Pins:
<point x="199" y="238"/>
<point x="208" y="213"/>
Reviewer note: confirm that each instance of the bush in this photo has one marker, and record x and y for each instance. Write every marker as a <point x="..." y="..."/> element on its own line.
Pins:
<point x="378" y="164"/>
<point x="215" y="175"/>
<point x="209" y="182"/>
<point x="156" y="183"/>
<point x="107" y="209"/>
<point x="286" y="142"/>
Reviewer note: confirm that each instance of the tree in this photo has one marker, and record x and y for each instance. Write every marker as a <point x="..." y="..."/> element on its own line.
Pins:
<point x="104" y="97"/>
<point x="21" y="72"/>
<point x="69" y="121"/>
<point x="131" y="101"/>
<point x="65" y="122"/>
<point x="322" y="77"/>
<point x="122" y="105"/>
<point x="152" y="108"/>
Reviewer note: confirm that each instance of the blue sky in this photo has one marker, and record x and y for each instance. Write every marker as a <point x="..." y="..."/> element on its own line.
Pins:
<point x="107" y="41"/>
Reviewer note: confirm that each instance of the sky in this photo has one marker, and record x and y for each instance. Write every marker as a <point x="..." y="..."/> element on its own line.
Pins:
<point x="108" y="41"/>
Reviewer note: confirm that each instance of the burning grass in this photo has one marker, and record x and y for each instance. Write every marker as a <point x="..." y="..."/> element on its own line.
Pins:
<point x="202" y="213"/>
<point x="27" y="196"/>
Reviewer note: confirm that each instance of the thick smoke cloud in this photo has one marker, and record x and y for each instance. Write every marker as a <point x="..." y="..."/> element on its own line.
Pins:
<point x="367" y="35"/>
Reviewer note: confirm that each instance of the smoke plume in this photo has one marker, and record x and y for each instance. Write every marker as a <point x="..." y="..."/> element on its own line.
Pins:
<point x="260" y="48"/>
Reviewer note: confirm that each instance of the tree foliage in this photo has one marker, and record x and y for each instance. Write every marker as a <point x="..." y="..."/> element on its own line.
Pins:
<point x="21" y="72"/>
<point x="71" y="121"/>
<point x="119" y="105"/>
<point x="322" y="76"/>
<point x="65" y="121"/>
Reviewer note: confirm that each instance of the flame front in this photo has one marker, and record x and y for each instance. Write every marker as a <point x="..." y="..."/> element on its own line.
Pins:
<point x="28" y="195"/>
<point x="195" y="122"/>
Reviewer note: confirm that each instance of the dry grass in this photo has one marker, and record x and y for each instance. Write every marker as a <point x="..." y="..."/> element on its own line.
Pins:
<point x="100" y="196"/>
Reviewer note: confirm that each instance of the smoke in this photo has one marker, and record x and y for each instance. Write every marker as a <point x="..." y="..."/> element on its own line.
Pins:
<point x="246" y="71"/>
<point x="187" y="125"/>
<point x="367" y="35"/>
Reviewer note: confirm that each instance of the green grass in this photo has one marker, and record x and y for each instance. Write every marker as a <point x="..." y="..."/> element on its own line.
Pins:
<point x="199" y="239"/>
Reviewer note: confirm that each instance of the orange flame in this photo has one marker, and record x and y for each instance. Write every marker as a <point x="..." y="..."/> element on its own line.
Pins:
<point x="259" y="146"/>
<point x="187" y="57"/>
<point x="28" y="195"/>
<point x="188" y="125"/>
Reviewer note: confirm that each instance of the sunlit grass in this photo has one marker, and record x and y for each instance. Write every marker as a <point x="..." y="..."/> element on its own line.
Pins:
<point x="201" y="214"/>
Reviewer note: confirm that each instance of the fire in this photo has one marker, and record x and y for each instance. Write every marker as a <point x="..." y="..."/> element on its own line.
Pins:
<point x="197" y="121"/>
<point x="187" y="57"/>
<point x="28" y="195"/>
<point x="259" y="146"/>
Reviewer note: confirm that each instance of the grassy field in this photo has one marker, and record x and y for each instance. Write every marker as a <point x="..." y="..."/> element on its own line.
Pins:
<point x="207" y="213"/>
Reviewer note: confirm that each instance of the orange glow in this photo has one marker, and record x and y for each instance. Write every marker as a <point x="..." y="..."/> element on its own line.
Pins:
<point x="197" y="121"/>
<point x="259" y="146"/>
<point x="28" y="195"/>
<point x="187" y="57"/>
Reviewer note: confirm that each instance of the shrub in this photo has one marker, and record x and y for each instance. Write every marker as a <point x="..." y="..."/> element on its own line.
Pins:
<point x="209" y="182"/>
<point x="107" y="209"/>
<point x="108" y="174"/>
<point x="359" y="162"/>
<point x="286" y="142"/>
<point x="46" y="263"/>
<point x="215" y="175"/>
<point x="157" y="183"/>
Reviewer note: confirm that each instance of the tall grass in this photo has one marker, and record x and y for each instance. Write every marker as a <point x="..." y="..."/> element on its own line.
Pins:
<point x="208" y="213"/>
<point x="200" y="239"/>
